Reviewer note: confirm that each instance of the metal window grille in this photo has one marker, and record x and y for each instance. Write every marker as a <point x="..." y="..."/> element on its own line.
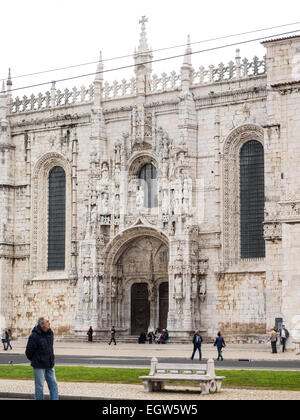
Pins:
<point x="148" y="183"/>
<point x="252" y="195"/>
<point x="57" y="219"/>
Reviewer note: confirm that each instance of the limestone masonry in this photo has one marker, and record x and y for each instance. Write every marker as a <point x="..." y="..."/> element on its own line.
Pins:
<point x="141" y="184"/>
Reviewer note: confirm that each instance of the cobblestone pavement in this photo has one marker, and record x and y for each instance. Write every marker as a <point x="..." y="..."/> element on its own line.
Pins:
<point x="232" y="351"/>
<point x="136" y="392"/>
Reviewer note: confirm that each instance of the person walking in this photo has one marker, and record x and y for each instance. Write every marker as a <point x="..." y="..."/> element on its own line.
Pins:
<point x="220" y="343"/>
<point x="8" y="339"/>
<point x="273" y="338"/>
<point x="112" y="335"/>
<point x="284" y="335"/>
<point x="197" y="341"/>
<point x="90" y="334"/>
<point x="3" y="339"/>
<point x="39" y="351"/>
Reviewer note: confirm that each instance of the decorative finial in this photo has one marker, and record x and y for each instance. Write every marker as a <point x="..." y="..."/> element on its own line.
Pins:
<point x="188" y="52"/>
<point x="9" y="81"/>
<point x="143" y="46"/>
<point x="100" y="67"/>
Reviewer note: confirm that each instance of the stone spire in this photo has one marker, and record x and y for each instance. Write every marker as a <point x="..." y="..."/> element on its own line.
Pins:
<point x="143" y="46"/>
<point x="9" y="81"/>
<point x="187" y="61"/>
<point x="143" y="54"/>
<point x="100" y="68"/>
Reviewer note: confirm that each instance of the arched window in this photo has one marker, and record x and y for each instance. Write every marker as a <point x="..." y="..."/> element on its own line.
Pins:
<point x="148" y="183"/>
<point x="57" y="219"/>
<point x="252" y="196"/>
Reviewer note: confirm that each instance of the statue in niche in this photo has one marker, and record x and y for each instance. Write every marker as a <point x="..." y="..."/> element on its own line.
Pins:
<point x="104" y="174"/>
<point x="165" y="167"/>
<point x="178" y="286"/>
<point x="117" y="205"/>
<point x="178" y="197"/>
<point x="120" y="290"/>
<point x="104" y="203"/>
<point x="118" y="147"/>
<point x="117" y="174"/>
<point x="101" y="290"/>
<point x="194" y="287"/>
<point x="86" y="290"/>
<point x="114" y="288"/>
<point x="181" y="158"/>
<point x="202" y="289"/>
<point x="172" y="170"/>
<point x="140" y="199"/>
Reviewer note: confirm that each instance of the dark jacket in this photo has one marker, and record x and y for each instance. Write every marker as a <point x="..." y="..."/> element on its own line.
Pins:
<point x="287" y="334"/>
<point x="220" y="342"/>
<point x="39" y="349"/>
<point x="194" y="340"/>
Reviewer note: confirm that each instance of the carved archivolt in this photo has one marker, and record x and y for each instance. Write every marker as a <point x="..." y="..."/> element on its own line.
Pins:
<point x="39" y="231"/>
<point x="231" y="187"/>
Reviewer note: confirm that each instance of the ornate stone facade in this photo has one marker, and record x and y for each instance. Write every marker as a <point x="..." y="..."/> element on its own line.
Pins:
<point x="178" y="258"/>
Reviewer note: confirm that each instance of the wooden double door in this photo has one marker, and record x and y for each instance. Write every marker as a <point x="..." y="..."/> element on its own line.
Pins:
<point x="140" y="307"/>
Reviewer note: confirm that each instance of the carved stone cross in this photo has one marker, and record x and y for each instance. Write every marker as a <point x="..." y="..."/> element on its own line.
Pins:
<point x="143" y="20"/>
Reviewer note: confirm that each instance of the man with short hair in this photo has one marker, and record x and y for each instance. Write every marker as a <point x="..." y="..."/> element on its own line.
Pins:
<point x="39" y="351"/>
<point x="284" y="335"/>
<point x="112" y="335"/>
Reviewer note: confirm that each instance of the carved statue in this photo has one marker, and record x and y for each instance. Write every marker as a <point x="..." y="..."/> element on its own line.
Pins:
<point x="139" y="198"/>
<point x="178" y="197"/>
<point x="104" y="203"/>
<point x="101" y="290"/>
<point x="86" y="290"/>
<point x="178" y="286"/>
<point x="114" y="288"/>
<point x="202" y="289"/>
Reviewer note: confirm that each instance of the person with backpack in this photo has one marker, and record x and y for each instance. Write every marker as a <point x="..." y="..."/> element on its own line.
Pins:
<point x="197" y="341"/>
<point x="220" y="343"/>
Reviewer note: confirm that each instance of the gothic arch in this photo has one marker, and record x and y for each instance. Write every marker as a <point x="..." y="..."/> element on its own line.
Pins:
<point x="138" y="160"/>
<point x="117" y="246"/>
<point x="231" y="188"/>
<point x="39" y="232"/>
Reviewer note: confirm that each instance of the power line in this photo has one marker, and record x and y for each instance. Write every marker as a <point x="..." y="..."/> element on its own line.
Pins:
<point x="157" y="60"/>
<point x="156" y="50"/>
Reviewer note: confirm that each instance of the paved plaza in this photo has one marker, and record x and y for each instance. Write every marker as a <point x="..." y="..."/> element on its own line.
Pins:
<point x="136" y="392"/>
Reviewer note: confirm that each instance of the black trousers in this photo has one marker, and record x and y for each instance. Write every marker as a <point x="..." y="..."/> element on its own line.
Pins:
<point x="283" y="342"/>
<point x="112" y="340"/>
<point x="274" y="347"/>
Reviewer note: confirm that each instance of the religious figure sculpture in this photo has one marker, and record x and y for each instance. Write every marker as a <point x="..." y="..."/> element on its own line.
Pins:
<point x="139" y="199"/>
<point x="178" y="286"/>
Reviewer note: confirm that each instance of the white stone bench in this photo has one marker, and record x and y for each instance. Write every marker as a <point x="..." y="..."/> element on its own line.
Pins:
<point x="170" y="372"/>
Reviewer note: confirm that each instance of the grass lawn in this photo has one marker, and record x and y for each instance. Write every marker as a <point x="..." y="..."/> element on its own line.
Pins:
<point x="277" y="380"/>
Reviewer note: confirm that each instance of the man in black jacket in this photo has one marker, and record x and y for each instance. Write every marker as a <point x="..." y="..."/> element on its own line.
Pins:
<point x="284" y="335"/>
<point x="197" y="341"/>
<point x="39" y="351"/>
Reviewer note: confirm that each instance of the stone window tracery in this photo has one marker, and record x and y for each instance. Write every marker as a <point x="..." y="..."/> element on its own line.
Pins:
<point x="252" y="200"/>
<point x="231" y="234"/>
<point x="148" y="184"/>
<point x="56" y="219"/>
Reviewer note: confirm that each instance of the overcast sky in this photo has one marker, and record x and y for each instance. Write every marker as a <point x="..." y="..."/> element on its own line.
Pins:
<point x="38" y="35"/>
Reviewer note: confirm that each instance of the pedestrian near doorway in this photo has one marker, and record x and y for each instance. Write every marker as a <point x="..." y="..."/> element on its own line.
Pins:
<point x="90" y="334"/>
<point x="273" y="338"/>
<point x="284" y="335"/>
<point x="39" y="351"/>
<point x="220" y="344"/>
<point x="197" y="341"/>
<point x="112" y="336"/>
